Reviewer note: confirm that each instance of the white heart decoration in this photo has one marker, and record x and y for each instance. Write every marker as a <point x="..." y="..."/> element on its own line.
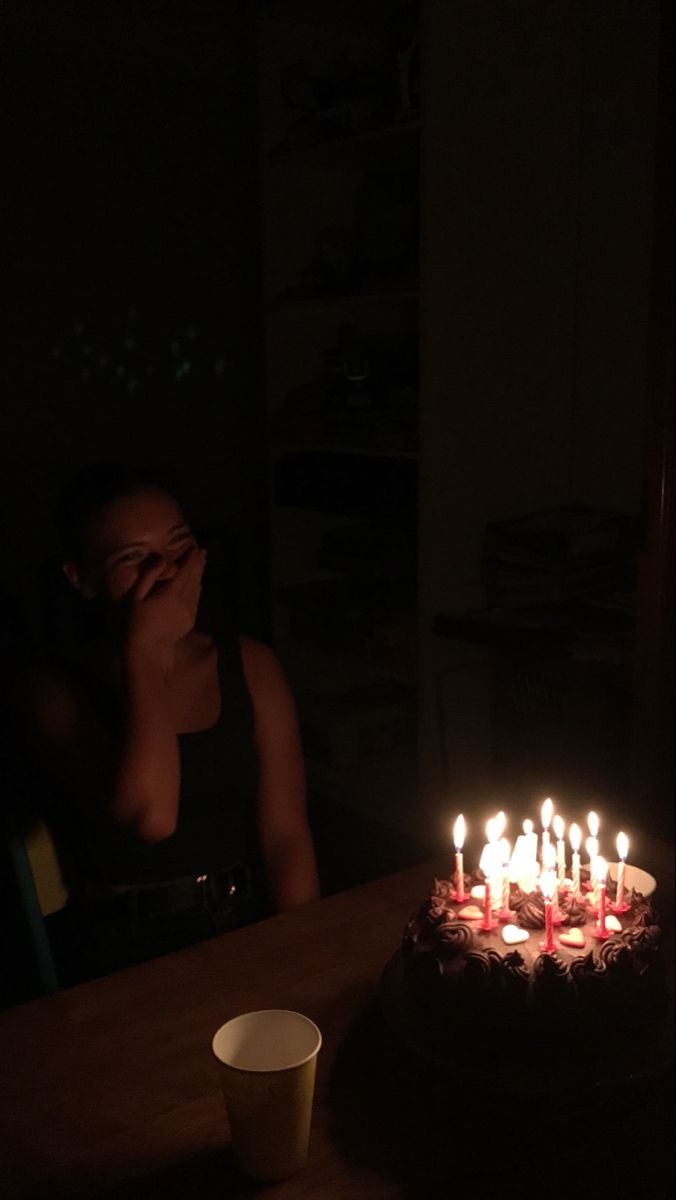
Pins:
<point x="613" y="924"/>
<point x="572" y="937"/>
<point x="512" y="935"/>
<point x="470" y="913"/>
<point x="478" y="892"/>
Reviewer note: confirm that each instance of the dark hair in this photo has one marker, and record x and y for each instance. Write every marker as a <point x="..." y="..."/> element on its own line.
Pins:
<point x="88" y="490"/>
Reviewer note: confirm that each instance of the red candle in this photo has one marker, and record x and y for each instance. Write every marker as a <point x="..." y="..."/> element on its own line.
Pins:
<point x="547" y="885"/>
<point x="549" y="946"/>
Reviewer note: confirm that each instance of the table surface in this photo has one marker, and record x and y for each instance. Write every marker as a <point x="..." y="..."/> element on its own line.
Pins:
<point x="109" y="1089"/>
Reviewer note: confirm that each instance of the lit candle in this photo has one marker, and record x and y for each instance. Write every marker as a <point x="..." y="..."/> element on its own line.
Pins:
<point x="575" y="836"/>
<point x="546" y="818"/>
<point x="560" y="853"/>
<point x="592" y="842"/>
<point x="592" y="847"/>
<point x="531" y="856"/>
<point x="488" y="922"/>
<point x="622" y="850"/>
<point x="547" y="883"/>
<point x="459" y="841"/>
<point x="497" y="875"/>
<point x="505" y="914"/>
<point x="600" y="931"/>
<point x="548" y="873"/>
<point x="488" y="865"/>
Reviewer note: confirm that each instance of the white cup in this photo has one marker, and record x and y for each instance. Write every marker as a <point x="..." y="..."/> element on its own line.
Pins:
<point x="267" y="1062"/>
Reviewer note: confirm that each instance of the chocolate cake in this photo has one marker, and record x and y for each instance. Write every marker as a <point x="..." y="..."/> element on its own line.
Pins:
<point x="493" y="1006"/>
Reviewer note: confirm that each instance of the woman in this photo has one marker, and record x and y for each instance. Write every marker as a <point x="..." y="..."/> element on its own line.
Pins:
<point x="174" y="773"/>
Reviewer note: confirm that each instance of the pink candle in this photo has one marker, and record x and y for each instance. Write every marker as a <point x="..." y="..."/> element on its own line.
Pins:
<point x="549" y="946"/>
<point x="547" y="885"/>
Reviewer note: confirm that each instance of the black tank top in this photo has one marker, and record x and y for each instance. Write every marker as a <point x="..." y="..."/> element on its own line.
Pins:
<point x="216" y="815"/>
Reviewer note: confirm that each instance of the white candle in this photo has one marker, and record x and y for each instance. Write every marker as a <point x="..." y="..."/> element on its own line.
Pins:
<point x="548" y="874"/>
<point x="560" y="852"/>
<point x="531" y="856"/>
<point x="546" y="818"/>
<point x="459" y="841"/>
<point x="622" y="851"/>
<point x="601" y="874"/>
<point x="593" y="876"/>
<point x="504" y="850"/>
<point x="593" y="826"/>
<point x="497" y="879"/>
<point x="575" y="836"/>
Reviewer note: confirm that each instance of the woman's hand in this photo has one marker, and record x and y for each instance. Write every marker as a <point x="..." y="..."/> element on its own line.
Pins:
<point x="162" y="611"/>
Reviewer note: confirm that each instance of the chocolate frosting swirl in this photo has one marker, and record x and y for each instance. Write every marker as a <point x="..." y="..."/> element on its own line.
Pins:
<point x="441" y="889"/>
<point x="530" y="912"/>
<point x="617" y="956"/>
<point x="453" y="938"/>
<point x="573" y="911"/>
<point x="549" y="968"/>
<point x="586" y="971"/>
<point x="516" y="975"/>
<point x="481" y="969"/>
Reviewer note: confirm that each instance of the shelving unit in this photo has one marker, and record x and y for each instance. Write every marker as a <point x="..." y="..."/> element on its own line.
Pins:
<point x="342" y="411"/>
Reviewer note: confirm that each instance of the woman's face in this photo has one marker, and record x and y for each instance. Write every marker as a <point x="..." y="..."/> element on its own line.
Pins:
<point x="129" y="536"/>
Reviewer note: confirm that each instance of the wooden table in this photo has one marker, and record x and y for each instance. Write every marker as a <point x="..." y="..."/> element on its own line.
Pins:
<point x="109" y="1088"/>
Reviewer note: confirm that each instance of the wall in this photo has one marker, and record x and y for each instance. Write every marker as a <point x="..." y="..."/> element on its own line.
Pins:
<point x="537" y="192"/>
<point x="129" y="149"/>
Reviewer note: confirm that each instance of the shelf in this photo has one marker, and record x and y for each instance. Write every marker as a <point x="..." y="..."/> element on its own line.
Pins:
<point x="382" y="135"/>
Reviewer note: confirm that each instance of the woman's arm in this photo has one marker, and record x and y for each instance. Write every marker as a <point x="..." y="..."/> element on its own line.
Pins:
<point x="133" y="778"/>
<point x="136" y="775"/>
<point x="286" y="841"/>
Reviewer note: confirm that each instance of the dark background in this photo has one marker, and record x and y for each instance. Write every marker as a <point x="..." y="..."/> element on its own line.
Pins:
<point x="130" y="247"/>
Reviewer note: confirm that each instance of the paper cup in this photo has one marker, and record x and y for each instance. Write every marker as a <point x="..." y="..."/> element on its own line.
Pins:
<point x="267" y="1064"/>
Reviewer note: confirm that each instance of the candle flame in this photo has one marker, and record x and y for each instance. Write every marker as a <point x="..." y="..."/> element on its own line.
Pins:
<point x="575" y="835"/>
<point x="506" y="850"/>
<point x="591" y="848"/>
<point x="547" y="884"/>
<point x="528" y="827"/>
<point x="622" y="845"/>
<point x="546" y="814"/>
<point x="500" y="822"/>
<point x="459" y="832"/>
<point x="601" y="869"/>
<point x="490" y="830"/>
<point x="593" y="823"/>
<point x="558" y="827"/>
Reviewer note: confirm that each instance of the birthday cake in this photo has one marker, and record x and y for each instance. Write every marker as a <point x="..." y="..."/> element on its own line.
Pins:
<point x="548" y="983"/>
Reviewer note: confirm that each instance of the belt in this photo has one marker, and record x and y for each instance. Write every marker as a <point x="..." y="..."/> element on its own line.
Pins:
<point x="174" y="895"/>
